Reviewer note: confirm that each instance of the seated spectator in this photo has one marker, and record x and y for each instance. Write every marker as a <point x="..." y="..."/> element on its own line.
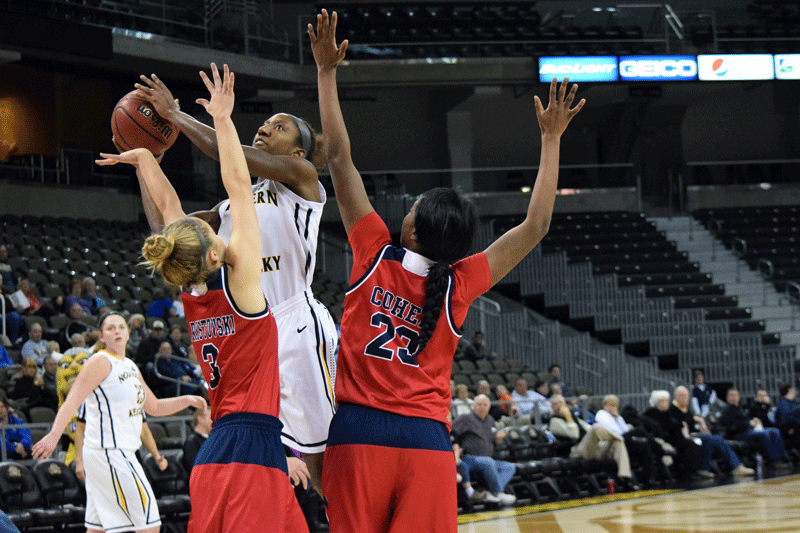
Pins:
<point x="475" y="439"/>
<point x="503" y="396"/>
<point x="739" y="427"/>
<point x="525" y="399"/>
<point x="161" y="307"/>
<point x="50" y="383"/>
<point x="35" y="347"/>
<point x="179" y="346"/>
<point x="703" y="396"/>
<point x="18" y="441"/>
<point x="461" y="404"/>
<point x="787" y="416"/>
<point x="7" y="273"/>
<point x="676" y="432"/>
<point x="138" y="332"/>
<point x="15" y="322"/>
<point x="75" y="288"/>
<point x="177" y="304"/>
<point x="201" y="424"/>
<point x="476" y="349"/>
<point x="555" y="380"/>
<point x="89" y="300"/>
<point x="642" y="445"/>
<point x="78" y="345"/>
<point x="148" y="347"/>
<point x="592" y="441"/>
<point x="761" y="408"/>
<point x="35" y="307"/>
<point x="25" y="389"/>
<point x="176" y="369"/>
<point x="711" y="443"/>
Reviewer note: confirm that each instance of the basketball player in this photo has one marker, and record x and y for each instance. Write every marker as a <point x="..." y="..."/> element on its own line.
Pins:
<point x="235" y="336"/>
<point x="285" y="156"/>
<point x="388" y="449"/>
<point x="118" y="496"/>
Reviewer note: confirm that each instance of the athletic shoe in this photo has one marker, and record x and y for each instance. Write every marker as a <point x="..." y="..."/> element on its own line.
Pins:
<point x="742" y="470"/>
<point x="704" y="474"/>
<point x="491" y="498"/>
<point x="506" y="499"/>
<point x="478" y="496"/>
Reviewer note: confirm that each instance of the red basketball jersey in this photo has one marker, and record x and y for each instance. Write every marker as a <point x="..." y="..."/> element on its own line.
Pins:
<point x="238" y="352"/>
<point x="380" y="326"/>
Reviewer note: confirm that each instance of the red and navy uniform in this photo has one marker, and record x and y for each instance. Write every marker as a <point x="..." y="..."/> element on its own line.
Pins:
<point x="243" y="456"/>
<point x="393" y="403"/>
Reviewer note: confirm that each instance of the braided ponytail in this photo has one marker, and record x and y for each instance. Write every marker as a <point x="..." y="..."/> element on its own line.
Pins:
<point x="435" y="289"/>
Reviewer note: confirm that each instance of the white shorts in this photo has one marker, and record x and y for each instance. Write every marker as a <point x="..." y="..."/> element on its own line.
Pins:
<point x="307" y="341"/>
<point x="118" y="495"/>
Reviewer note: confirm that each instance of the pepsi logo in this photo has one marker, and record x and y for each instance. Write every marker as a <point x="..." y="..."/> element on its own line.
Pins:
<point x="719" y="68"/>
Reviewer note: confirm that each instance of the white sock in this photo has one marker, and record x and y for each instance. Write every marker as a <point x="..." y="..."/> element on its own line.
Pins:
<point x="470" y="492"/>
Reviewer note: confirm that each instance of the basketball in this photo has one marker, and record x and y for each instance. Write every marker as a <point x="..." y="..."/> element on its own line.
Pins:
<point x="135" y="124"/>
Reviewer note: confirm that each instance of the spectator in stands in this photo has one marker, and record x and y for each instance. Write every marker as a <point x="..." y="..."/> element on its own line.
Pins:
<point x="555" y="379"/>
<point x="179" y="346"/>
<point x="501" y="392"/>
<point x="89" y="300"/>
<point x="476" y="349"/>
<point x="148" y="347"/>
<point x="161" y="306"/>
<point x="475" y="438"/>
<point x="15" y="322"/>
<point x="49" y="381"/>
<point x="35" y="307"/>
<point x="787" y="416"/>
<point x="525" y="399"/>
<point x="75" y="288"/>
<point x="201" y="424"/>
<point x="78" y="345"/>
<point x="641" y="445"/>
<point x="591" y="441"/>
<point x="702" y="395"/>
<point x="539" y="396"/>
<point x="761" y="408"/>
<point x="676" y="432"/>
<point x="9" y="277"/>
<point x="18" y="441"/>
<point x="25" y="391"/>
<point x="5" y="359"/>
<point x="739" y="427"/>
<point x="139" y="332"/>
<point x="461" y="404"/>
<point x="174" y="368"/>
<point x="711" y="443"/>
<point x="177" y="303"/>
<point x="35" y="346"/>
<point x="6" y="525"/>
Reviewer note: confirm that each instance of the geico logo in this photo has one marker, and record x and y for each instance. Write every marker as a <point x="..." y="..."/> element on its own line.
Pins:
<point x="576" y="68"/>
<point x="658" y="68"/>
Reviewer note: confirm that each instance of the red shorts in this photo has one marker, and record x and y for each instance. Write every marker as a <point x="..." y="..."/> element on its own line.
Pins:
<point x="379" y="488"/>
<point x="239" y="482"/>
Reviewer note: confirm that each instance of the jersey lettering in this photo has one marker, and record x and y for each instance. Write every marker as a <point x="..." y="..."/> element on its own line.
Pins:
<point x="270" y="263"/>
<point x="266" y="197"/>
<point x="381" y="346"/>
<point x="396" y="305"/>
<point x="208" y="328"/>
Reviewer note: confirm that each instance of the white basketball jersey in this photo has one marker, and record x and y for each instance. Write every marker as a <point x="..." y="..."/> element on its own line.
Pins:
<point x="289" y="228"/>
<point x="113" y="411"/>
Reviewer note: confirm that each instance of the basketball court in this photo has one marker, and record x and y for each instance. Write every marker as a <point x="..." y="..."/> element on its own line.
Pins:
<point x="769" y="506"/>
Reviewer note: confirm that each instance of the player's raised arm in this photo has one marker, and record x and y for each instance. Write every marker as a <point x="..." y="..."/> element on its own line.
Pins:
<point x="507" y="251"/>
<point x="350" y="193"/>
<point x="158" y="186"/>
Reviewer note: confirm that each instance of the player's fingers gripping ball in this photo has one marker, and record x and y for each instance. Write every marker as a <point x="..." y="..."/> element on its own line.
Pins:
<point x="135" y="124"/>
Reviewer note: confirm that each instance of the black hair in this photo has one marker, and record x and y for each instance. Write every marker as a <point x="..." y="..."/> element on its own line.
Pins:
<point x="554" y="365"/>
<point x="783" y="389"/>
<point x="444" y="224"/>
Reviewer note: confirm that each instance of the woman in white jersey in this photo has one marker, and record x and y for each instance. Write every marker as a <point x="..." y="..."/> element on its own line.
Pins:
<point x="118" y="496"/>
<point x="285" y="156"/>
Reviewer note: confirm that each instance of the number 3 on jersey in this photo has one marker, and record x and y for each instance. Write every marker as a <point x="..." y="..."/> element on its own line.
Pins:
<point x="378" y="346"/>
<point x="210" y="353"/>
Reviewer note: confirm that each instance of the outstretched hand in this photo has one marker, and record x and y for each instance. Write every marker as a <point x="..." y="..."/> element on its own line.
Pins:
<point x="6" y="150"/>
<point x="554" y="119"/>
<point x="155" y="92"/>
<point x="323" y="42"/>
<point x="221" y="89"/>
<point x="131" y="157"/>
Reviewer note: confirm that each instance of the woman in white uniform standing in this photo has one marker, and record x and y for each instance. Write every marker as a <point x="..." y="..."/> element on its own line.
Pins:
<point x="285" y="156"/>
<point x="113" y="394"/>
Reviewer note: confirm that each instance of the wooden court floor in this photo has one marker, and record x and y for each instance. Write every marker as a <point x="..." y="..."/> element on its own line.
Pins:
<point x="768" y="506"/>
